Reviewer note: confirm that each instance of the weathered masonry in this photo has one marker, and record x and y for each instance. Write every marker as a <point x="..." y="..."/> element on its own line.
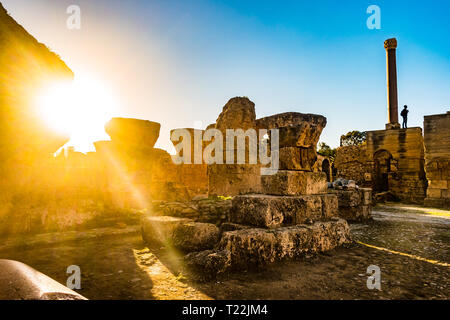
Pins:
<point x="437" y="158"/>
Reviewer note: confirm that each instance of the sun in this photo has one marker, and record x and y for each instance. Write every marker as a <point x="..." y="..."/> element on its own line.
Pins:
<point x="79" y="109"/>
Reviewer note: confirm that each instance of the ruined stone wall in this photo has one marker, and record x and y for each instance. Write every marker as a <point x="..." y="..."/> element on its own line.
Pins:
<point x="397" y="160"/>
<point x="352" y="163"/>
<point x="437" y="159"/>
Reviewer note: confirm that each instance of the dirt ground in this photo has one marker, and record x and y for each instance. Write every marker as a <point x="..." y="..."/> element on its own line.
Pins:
<point x="409" y="244"/>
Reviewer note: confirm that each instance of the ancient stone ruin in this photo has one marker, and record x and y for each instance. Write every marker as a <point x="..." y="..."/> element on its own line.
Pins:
<point x="437" y="159"/>
<point x="270" y="217"/>
<point x="404" y="163"/>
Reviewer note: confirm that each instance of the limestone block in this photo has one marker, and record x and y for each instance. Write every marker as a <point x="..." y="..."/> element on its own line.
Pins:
<point x="438" y="184"/>
<point x="295" y="158"/>
<point x="348" y="198"/>
<point x="303" y="135"/>
<point x="255" y="247"/>
<point x="195" y="236"/>
<point x="229" y="180"/>
<point x="275" y="211"/>
<point x="292" y="183"/>
<point x="356" y="214"/>
<point x="434" y="193"/>
<point x="160" y="229"/>
<point x="133" y="133"/>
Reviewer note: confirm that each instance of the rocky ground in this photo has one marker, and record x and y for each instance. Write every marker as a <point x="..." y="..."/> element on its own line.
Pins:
<point x="409" y="244"/>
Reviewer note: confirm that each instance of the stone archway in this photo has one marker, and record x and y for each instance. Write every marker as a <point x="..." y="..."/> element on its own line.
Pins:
<point x="382" y="167"/>
<point x="327" y="169"/>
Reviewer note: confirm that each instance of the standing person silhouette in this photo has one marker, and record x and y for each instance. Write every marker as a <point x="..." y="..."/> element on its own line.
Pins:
<point x="404" y="115"/>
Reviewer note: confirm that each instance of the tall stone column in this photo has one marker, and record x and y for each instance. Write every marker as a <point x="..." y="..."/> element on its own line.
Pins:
<point x="391" y="63"/>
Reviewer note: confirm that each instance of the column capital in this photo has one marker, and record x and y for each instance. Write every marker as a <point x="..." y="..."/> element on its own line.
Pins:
<point x="390" y="44"/>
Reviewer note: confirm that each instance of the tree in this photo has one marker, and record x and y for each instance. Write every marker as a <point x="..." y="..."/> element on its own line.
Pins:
<point x="326" y="151"/>
<point x="353" y="138"/>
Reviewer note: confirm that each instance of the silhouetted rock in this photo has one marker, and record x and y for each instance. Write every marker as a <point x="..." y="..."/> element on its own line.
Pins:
<point x="133" y="133"/>
<point x="26" y="68"/>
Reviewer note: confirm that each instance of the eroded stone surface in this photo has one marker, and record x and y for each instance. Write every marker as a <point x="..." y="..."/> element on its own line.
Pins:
<point x="160" y="229"/>
<point x="195" y="236"/>
<point x="290" y="119"/>
<point x="275" y="211"/>
<point x="286" y="182"/>
<point x="296" y="158"/>
<point x="255" y="247"/>
<point x="354" y="204"/>
<point x="238" y="113"/>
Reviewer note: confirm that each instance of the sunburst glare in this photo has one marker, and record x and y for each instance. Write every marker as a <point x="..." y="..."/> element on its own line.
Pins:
<point x="79" y="109"/>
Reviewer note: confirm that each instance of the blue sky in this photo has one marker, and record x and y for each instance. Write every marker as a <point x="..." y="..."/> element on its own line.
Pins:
<point x="178" y="62"/>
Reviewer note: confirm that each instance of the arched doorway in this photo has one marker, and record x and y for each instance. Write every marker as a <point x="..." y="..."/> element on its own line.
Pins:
<point x="382" y="166"/>
<point x="327" y="169"/>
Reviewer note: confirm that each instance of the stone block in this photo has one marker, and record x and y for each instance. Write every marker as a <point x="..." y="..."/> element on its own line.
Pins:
<point x="275" y="211"/>
<point x="438" y="184"/>
<point x="296" y="158"/>
<point x="160" y="229"/>
<point x="348" y="198"/>
<point x="293" y="183"/>
<point x="233" y="179"/>
<point x="256" y="247"/>
<point x="195" y="236"/>
<point x="434" y="193"/>
<point x="356" y="214"/>
<point x="303" y="135"/>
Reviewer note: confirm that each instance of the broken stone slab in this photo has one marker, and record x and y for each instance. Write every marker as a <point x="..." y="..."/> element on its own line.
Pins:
<point x="296" y="158"/>
<point x="19" y="281"/>
<point x="247" y="248"/>
<point x="270" y="211"/>
<point x="292" y="183"/>
<point x="133" y="133"/>
<point x="195" y="236"/>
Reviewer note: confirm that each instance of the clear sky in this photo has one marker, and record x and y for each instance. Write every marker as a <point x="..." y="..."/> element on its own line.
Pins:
<point x="178" y="62"/>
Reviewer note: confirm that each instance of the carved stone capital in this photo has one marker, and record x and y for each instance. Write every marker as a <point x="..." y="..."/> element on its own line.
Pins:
<point x="390" y="44"/>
